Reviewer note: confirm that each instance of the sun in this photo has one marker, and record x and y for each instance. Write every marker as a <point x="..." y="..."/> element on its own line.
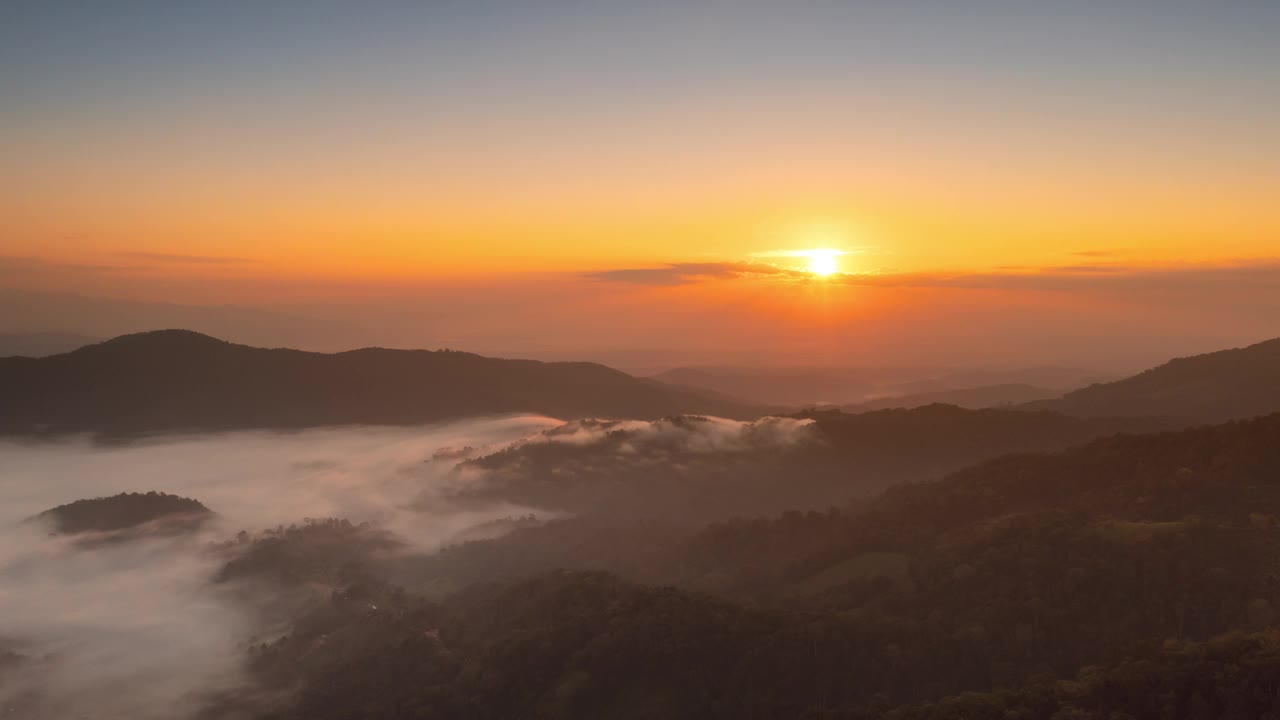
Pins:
<point x="823" y="265"/>
<point x="822" y="261"/>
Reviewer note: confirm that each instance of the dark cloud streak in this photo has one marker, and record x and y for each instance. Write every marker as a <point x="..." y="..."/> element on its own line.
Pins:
<point x="1257" y="274"/>
<point x="195" y="259"/>
<point x="11" y="264"/>
<point x="1263" y="274"/>
<point x="670" y="274"/>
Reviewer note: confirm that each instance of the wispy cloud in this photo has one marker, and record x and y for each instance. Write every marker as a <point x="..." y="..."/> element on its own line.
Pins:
<point x="1092" y="269"/>
<point x="10" y="264"/>
<point x="806" y="254"/>
<point x="1255" y="273"/>
<point x="670" y="274"/>
<point x="198" y="259"/>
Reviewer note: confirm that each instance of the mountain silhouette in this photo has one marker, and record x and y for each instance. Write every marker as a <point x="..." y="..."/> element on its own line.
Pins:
<point x="178" y="380"/>
<point x="1214" y="387"/>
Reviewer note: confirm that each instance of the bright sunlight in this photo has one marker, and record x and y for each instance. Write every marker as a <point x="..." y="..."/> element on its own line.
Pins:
<point x="822" y="261"/>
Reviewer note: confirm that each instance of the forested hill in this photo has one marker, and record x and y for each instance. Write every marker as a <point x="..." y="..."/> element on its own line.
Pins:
<point x="1217" y="386"/>
<point x="1115" y="489"/>
<point x="664" y="470"/>
<point x="1029" y="583"/>
<point x="125" y="511"/>
<point x="173" y="380"/>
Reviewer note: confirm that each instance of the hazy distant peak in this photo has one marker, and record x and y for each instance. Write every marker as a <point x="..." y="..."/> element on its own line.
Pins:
<point x="1213" y="361"/>
<point x="40" y="344"/>
<point x="975" y="397"/>
<point x="161" y="340"/>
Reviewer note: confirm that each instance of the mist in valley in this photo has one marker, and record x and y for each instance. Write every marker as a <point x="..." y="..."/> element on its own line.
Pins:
<point x="95" y="624"/>
<point x="486" y="565"/>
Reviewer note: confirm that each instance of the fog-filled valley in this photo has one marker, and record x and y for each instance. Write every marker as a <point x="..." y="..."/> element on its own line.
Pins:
<point x="88" y="613"/>
<point x="155" y="564"/>
<point x="930" y="562"/>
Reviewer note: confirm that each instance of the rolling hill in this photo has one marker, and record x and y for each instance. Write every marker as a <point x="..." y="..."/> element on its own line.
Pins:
<point x="1214" y="387"/>
<point x="177" y="380"/>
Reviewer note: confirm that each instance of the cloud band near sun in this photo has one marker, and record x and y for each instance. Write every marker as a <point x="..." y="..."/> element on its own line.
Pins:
<point x="1260" y="272"/>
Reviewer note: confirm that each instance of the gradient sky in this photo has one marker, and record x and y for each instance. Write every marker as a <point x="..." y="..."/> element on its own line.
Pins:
<point x="652" y="158"/>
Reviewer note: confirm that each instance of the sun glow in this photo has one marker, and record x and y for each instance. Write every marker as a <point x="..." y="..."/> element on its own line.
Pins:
<point x="823" y="264"/>
<point x="822" y="261"/>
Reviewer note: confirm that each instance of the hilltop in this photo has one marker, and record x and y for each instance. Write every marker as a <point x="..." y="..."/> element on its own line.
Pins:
<point x="177" y="380"/>
<point x="1213" y="387"/>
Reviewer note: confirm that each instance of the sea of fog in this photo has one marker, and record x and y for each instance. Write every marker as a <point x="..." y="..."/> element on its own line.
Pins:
<point x="136" y="629"/>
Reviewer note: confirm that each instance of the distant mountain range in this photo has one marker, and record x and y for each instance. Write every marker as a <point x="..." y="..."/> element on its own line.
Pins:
<point x="974" y="398"/>
<point x="878" y="387"/>
<point x="1214" y="387"/>
<point x="41" y="344"/>
<point x="1217" y="386"/>
<point x="177" y="380"/>
<point x="785" y="387"/>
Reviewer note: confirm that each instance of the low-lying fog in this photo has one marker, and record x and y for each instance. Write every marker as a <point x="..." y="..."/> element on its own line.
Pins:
<point x="136" y="628"/>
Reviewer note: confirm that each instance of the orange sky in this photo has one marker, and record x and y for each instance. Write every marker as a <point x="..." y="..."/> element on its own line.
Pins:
<point x="573" y="156"/>
<point x="584" y="207"/>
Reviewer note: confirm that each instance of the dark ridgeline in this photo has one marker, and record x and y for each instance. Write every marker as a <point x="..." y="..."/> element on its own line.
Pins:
<point x="177" y="380"/>
<point x="1214" y="387"/>
<point x="1124" y="566"/>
